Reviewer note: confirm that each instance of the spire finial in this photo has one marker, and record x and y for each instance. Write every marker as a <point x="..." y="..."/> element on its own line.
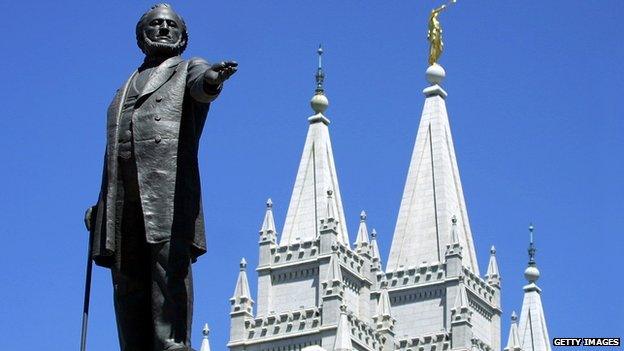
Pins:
<point x="205" y="346"/>
<point x="320" y="75"/>
<point x="374" y="234"/>
<point x="319" y="101"/>
<point x="531" y="246"/>
<point x="492" y="250"/>
<point x="514" y="317"/>
<point x="531" y="274"/>
<point x="269" y="203"/>
<point x="243" y="264"/>
<point x="362" y="216"/>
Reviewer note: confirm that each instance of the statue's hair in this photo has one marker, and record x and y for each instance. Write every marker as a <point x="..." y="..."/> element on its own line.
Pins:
<point x="140" y="23"/>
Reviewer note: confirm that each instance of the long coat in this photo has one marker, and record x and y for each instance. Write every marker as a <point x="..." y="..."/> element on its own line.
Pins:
<point x="167" y="123"/>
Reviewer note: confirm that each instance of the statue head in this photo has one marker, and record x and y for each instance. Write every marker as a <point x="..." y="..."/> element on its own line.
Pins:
<point x="161" y="32"/>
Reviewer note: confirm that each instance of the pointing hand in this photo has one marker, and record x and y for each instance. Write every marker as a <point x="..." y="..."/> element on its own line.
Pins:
<point x="220" y="72"/>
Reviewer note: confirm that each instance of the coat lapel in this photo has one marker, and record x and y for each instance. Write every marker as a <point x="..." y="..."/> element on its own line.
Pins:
<point x="161" y="75"/>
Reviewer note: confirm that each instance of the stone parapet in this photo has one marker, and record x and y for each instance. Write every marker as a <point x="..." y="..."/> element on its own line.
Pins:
<point x="410" y="276"/>
<point x="478" y="344"/>
<point x="431" y="342"/>
<point x="293" y="254"/>
<point x="364" y="333"/>
<point x="283" y="324"/>
<point x="480" y="288"/>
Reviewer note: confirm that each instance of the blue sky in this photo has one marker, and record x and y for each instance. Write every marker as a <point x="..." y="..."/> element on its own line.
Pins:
<point x="533" y="102"/>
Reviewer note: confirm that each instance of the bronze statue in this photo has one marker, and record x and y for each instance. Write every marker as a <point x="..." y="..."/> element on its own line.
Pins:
<point x="434" y="34"/>
<point x="147" y="226"/>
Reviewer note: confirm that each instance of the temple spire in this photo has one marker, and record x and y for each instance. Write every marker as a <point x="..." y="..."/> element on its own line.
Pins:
<point x="493" y="274"/>
<point x="454" y="235"/>
<point x="433" y="191"/>
<point x="268" y="224"/>
<point x="361" y="241"/>
<point x="532" y="328"/>
<point x="513" y="342"/>
<point x="461" y="300"/>
<point x="334" y="272"/>
<point x="375" y="246"/>
<point x="384" y="306"/>
<point x="205" y="345"/>
<point x="241" y="309"/>
<point x="343" y="334"/>
<point x="242" y="293"/>
<point x="315" y="176"/>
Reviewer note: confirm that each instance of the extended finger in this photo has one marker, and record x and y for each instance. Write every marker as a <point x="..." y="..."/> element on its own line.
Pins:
<point x="232" y="71"/>
<point x="218" y="66"/>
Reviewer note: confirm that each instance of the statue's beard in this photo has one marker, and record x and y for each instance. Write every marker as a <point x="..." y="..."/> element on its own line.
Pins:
<point x="155" y="49"/>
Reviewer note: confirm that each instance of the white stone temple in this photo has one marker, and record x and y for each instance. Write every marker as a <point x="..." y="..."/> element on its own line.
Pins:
<point x="317" y="292"/>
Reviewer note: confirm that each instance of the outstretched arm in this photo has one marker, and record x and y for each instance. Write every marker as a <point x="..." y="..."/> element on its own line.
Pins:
<point x="442" y="8"/>
<point x="205" y="80"/>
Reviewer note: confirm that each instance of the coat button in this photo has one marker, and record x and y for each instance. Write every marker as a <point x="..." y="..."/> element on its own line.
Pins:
<point x="159" y="98"/>
<point x="157" y="118"/>
<point x="157" y="139"/>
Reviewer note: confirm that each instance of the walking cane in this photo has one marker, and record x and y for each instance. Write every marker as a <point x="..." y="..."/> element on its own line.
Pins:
<point x="87" y="290"/>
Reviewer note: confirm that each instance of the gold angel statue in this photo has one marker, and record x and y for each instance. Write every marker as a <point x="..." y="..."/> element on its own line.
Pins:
<point x="434" y="34"/>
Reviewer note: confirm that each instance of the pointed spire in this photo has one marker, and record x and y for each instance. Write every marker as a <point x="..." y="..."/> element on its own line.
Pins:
<point x="433" y="191"/>
<point x="334" y="273"/>
<point x="316" y="174"/>
<point x="461" y="301"/>
<point x="374" y="252"/>
<point x="331" y="211"/>
<point x="493" y="274"/>
<point x="461" y="313"/>
<point x="513" y="342"/>
<point x="268" y="231"/>
<point x="532" y="328"/>
<point x="374" y="245"/>
<point x="454" y="248"/>
<point x="362" y="241"/>
<point x="383" y="321"/>
<point x="343" y="333"/>
<point x="384" y="306"/>
<point x="241" y="292"/>
<point x="205" y="346"/>
<point x="454" y="236"/>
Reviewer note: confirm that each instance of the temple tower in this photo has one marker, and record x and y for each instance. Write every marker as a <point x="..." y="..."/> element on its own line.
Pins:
<point x="532" y="330"/>
<point x="314" y="290"/>
<point x="439" y="299"/>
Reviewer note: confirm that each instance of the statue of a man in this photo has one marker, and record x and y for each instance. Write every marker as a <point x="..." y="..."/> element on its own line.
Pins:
<point x="147" y="226"/>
